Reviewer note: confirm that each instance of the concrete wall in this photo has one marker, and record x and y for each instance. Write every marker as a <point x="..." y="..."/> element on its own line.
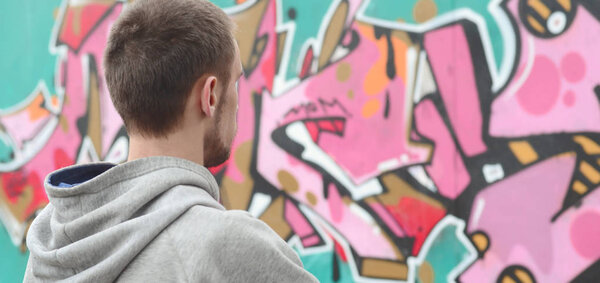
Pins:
<point x="416" y="140"/>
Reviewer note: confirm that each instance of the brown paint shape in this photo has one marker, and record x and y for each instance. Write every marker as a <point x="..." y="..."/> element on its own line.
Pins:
<point x="273" y="216"/>
<point x="347" y="200"/>
<point x="287" y="181"/>
<point x="311" y="198"/>
<point x="426" y="274"/>
<point x="343" y="71"/>
<point x="237" y="195"/>
<point x="249" y="21"/>
<point x="351" y="94"/>
<point x="280" y="45"/>
<point x="64" y="124"/>
<point x="398" y="188"/>
<point x="380" y="268"/>
<point x="94" y="125"/>
<point x="333" y="34"/>
<point x="424" y="10"/>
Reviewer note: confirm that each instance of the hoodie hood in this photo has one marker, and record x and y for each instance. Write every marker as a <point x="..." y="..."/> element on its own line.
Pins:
<point x="100" y="216"/>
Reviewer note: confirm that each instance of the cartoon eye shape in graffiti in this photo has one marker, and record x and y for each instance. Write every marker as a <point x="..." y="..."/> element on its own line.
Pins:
<point x="547" y="18"/>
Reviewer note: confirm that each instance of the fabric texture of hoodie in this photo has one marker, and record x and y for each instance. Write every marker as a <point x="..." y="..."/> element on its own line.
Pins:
<point x="154" y="219"/>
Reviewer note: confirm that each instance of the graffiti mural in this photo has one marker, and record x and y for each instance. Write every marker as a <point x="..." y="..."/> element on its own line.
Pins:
<point x="385" y="141"/>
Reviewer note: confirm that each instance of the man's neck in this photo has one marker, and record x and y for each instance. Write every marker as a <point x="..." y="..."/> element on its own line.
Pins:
<point x="177" y="144"/>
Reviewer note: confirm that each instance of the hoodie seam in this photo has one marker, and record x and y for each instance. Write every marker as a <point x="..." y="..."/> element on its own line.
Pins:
<point x="177" y="255"/>
<point x="56" y="251"/>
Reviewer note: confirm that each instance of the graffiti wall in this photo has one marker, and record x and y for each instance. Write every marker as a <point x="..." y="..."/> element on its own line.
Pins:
<point x="385" y="141"/>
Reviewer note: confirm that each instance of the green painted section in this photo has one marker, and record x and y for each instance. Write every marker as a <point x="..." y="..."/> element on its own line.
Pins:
<point x="321" y="266"/>
<point x="389" y="10"/>
<point x="25" y="26"/>
<point x="223" y="4"/>
<point x="446" y="253"/>
<point x="306" y="17"/>
<point x="393" y="11"/>
<point x="6" y="151"/>
<point x="12" y="261"/>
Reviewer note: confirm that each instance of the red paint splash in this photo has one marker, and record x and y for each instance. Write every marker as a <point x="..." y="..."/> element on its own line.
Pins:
<point x="416" y="218"/>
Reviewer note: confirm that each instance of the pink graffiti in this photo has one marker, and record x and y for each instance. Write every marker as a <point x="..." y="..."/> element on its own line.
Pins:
<point x="453" y="69"/>
<point x="547" y="74"/>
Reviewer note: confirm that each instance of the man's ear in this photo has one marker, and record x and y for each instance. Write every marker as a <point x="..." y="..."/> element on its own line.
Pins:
<point x="208" y="96"/>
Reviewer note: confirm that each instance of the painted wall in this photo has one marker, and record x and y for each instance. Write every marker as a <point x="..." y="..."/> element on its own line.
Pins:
<point x="417" y="140"/>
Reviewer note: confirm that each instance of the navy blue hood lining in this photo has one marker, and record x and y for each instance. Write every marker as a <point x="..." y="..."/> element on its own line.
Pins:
<point x="78" y="175"/>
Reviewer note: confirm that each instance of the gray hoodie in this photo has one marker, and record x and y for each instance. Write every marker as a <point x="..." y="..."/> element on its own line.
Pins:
<point x="155" y="219"/>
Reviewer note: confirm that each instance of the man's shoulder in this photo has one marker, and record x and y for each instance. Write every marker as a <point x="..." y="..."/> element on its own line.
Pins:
<point x="203" y="225"/>
<point x="231" y="246"/>
<point x="203" y="230"/>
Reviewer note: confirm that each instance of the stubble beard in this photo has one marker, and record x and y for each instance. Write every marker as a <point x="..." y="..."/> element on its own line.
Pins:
<point x="216" y="150"/>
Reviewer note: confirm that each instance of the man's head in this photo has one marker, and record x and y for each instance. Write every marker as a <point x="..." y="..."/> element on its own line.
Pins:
<point x="172" y="66"/>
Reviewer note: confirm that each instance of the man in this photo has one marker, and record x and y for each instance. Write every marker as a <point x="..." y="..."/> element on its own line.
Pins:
<point x="172" y="68"/>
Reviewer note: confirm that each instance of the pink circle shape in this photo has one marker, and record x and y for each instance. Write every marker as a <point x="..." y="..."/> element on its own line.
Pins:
<point x="540" y="91"/>
<point x="585" y="232"/>
<point x="573" y="67"/>
<point x="569" y="98"/>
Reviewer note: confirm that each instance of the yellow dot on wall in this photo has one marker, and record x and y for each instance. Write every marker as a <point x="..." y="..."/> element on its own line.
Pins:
<point x="64" y="124"/>
<point x="588" y="145"/>
<point x="523" y="151"/>
<point x="351" y="94"/>
<point x="481" y="241"/>
<point x="523" y="276"/>
<point x="579" y="187"/>
<point x="507" y="279"/>
<point x="370" y="108"/>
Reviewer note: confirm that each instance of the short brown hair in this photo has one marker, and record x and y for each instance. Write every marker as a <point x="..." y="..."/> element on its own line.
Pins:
<point x="156" y="51"/>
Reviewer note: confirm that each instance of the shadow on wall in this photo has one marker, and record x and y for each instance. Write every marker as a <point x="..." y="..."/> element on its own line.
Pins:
<point x="422" y="141"/>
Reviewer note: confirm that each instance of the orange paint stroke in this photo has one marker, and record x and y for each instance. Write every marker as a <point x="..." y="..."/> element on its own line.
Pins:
<point x="370" y="108"/>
